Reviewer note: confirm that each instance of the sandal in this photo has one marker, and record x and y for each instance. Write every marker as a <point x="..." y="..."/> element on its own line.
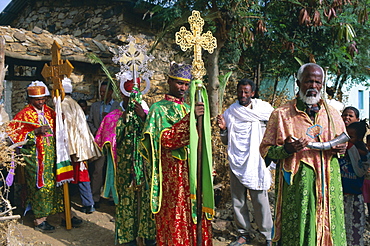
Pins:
<point x="247" y="239"/>
<point x="76" y="222"/>
<point x="45" y="227"/>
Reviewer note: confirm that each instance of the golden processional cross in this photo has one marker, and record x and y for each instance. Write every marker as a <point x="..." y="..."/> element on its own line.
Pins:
<point x="55" y="72"/>
<point x="199" y="40"/>
<point x="57" y="69"/>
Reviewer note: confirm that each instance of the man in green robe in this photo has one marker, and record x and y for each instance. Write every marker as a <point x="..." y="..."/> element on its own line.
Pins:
<point x="309" y="203"/>
<point x="119" y="135"/>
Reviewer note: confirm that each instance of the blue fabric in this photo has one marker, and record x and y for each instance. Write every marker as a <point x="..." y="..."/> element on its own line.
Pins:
<point x="287" y="177"/>
<point x="105" y="108"/>
<point x="85" y="193"/>
<point x="350" y="181"/>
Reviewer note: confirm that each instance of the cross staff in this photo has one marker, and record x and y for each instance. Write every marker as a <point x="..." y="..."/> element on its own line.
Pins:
<point x="133" y="58"/>
<point x="57" y="69"/>
<point x="56" y="72"/>
<point x="187" y="39"/>
<point x="196" y="39"/>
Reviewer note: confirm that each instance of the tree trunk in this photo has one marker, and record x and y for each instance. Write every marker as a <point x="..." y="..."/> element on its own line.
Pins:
<point x="340" y="86"/>
<point x="213" y="82"/>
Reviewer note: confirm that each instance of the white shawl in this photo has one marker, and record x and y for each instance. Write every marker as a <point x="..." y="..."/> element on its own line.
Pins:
<point x="244" y="137"/>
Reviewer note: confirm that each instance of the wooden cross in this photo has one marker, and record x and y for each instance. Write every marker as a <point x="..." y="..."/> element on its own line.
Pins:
<point x="57" y="70"/>
<point x="187" y="39"/>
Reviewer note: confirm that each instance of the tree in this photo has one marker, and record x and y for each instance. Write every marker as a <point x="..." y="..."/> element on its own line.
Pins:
<point x="265" y="39"/>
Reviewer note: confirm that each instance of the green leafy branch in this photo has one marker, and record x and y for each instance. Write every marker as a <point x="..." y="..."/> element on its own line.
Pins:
<point x="223" y="79"/>
<point x="96" y="60"/>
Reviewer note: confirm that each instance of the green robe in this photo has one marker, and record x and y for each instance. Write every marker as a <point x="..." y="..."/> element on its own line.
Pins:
<point x="309" y="198"/>
<point x="42" y="194"/>
<point x="133" y="215"/>
<point x="47" y="200"/>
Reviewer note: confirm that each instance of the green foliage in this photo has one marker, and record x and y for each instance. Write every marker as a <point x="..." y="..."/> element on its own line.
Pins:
<point x="274" y="36"/>
<point x="223" y="79"/>
<point x="96" y="60"/>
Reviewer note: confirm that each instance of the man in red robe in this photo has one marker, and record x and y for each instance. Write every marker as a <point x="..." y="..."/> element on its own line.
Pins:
<point x="165" y="146"/>
<point x="35" y="124"/>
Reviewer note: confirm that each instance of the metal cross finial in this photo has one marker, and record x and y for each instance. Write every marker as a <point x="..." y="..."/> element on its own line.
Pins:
<point x="134" y="59"/>
<point x="187" y="39"/>
<point x="57" y="69"/>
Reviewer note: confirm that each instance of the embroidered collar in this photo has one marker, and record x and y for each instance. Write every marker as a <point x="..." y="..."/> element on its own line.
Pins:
<point x="174" y="99"/>
<point x="38" y="111"/>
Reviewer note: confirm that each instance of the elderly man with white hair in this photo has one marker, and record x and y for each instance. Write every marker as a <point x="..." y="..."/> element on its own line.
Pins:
<point x="309" y="199"/>
<point x="81" y="145"/>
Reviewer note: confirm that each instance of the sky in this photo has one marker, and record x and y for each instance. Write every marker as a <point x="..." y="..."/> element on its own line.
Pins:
<point x="3" y="4"/>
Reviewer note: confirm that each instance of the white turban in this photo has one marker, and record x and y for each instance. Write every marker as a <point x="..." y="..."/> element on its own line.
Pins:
<point x="67" y="85"/>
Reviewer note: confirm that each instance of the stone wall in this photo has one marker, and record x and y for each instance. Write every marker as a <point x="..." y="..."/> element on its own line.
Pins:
<point x="88" y="28"/>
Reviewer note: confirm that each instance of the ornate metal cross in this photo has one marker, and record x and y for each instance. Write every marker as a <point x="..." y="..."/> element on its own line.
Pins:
<point x="133" y="58"/>
<point x="187" y="39"/>
<point x="57" y="69"/>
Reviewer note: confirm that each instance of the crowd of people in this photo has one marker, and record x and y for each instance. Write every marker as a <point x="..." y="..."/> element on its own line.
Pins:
<point x="138" y="158"/>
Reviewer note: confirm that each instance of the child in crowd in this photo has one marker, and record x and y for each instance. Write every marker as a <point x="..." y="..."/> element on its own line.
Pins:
<point x="353" y="167"/>
<point x="366" y="186"/>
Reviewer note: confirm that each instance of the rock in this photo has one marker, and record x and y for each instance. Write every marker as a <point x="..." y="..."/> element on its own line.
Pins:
<point x="20" y="36"/>
<point x="33" y="49"/>
<point x="61" y="16"/>
<point x="58" y="40"/>
<point x="67" y="22"/>
<point x="31" y="53"/>
<point x="37" y="30"/>
<point x="221" y="226"/>
<point x="96" y="20"/>
<point x="8" y="39"/>
<point x="73" y="12"/>
<point x="100" y="37"/>
<point x="108" y="14"/>
<point x="66" y="52"/>
<point x="77" y="33"/>
<point x="30" y="39"/>
<point x="16" y="47"/>
<point x="100" y="45"/>
<point x="78" y="50"/>
<point x="78" y="18"/>
<point x="43" y="10"/>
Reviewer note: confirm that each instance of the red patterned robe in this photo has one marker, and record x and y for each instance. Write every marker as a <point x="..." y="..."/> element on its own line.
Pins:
<point x="165" y="145"/>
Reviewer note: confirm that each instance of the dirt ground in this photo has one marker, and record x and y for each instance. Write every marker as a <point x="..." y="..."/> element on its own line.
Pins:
<point x="97" y="229"/>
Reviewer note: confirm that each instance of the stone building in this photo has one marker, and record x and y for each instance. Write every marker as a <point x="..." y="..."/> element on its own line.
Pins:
<point x="79" y="27"/>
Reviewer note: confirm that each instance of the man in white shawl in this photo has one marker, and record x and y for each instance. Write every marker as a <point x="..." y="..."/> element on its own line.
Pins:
<point x="242" y="126"/>
<point x="81" y="145"/>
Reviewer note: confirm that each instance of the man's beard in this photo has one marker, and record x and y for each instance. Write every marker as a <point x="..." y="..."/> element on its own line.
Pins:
<point x="310" y="100"/>
<point x="244" y="103"/>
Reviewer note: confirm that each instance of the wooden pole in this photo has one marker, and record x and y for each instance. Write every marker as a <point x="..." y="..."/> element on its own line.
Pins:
<point x="67" y="207"/>
<point x="199" y="196"/>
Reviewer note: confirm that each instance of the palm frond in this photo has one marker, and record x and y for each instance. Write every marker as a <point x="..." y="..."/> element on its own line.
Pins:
<point x="223" y="79"/>
<point x="94" y="60"/>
